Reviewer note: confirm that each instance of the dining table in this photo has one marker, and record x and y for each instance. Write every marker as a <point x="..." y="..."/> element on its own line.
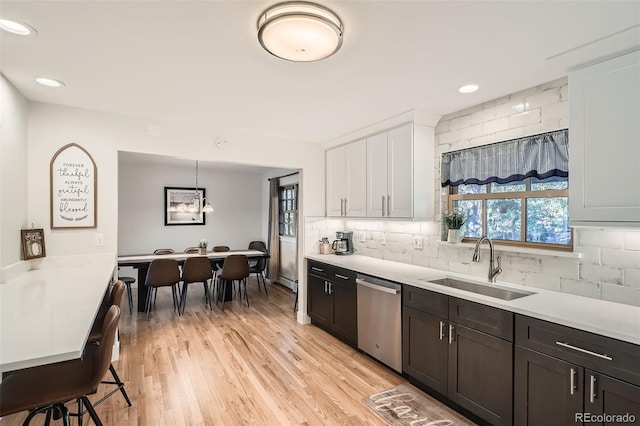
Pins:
<point x="141" y="263"/>
<point x="46" y="314"/>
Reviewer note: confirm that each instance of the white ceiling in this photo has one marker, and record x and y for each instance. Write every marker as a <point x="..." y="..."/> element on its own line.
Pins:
<point x="199" y="62"/>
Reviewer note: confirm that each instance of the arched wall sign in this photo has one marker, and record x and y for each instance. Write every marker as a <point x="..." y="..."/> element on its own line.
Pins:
<point x="74" y="188"/>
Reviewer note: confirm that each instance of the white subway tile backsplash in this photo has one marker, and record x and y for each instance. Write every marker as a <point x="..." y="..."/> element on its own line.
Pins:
<point x="496" y="102"/>
<point x="509" y="134"/>
<point x="449" y="137"/>
<point x="544" y="281"/>
<point x="511" y="276"/>
<point x="564" y="92"/>
<point x="602" y="274"/>
<point x="590" y="254"/>
<point x="548" y="97"/>
<point x="525" y="118"/>
<point x="460" y="122"/>
<point x="632" y="278"/>
<point x="397" y="247"/>
<point x="497" y="125"/>
<point x="460" y="267"/>
<point x="471" y="132"/>
<point x="555" y="112"/>
<point x="523" y="264"/>
<point x="560" y="267"/>
<point x="632" y="241"/>
<point x="621" y="258"/>
<point x="580" y="288"/>
<point x="420" y="261"/>
<point x="484" y="115"/>
<point x="620" y="294"/>
<point x="600" y="238"/>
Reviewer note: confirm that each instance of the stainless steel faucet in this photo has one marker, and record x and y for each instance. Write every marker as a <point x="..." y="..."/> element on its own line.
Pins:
<point x="493" y="272"/>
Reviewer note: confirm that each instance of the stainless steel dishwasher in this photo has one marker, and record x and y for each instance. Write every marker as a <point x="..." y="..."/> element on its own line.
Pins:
<point x="380" y="319"/>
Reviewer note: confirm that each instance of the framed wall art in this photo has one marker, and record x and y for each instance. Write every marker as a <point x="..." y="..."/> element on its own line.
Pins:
<point x="182" y="207"/>
<point x="74" y="184"/>
<point x="32" y="243"/>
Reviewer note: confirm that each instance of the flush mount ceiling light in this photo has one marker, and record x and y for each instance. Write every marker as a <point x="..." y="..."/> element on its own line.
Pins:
<point x="300" y="31"/>
<point x="16" y="27"/>
<point x="50" y="82"/>
<point x="468" y="88"/>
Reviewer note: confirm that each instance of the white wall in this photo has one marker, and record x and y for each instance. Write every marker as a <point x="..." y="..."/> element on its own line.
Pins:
<point x="236" y="198"/>
<point x="609" y="266"/>
<point x="104" y="134"/>
<point x="13" y="172"/>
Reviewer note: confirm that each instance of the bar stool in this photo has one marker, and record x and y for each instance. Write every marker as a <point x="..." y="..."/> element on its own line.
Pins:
<point x="47" y="388"/>
<point x="127" y="282"/>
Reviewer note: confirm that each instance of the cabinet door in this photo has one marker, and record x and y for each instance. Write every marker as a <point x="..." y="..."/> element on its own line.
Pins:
<point x="547" y="390"/>
<point x="605" y="142"/>
<point x="345" y="314"/>
<point x="356" y="184"/>
<point x="606" y="395"/>
<point x="336" y="177"/>
<point x="400" y="172"/>
<point x="424" y="354"/>
<point x="320" y="301"/>
<point x="480" y="374"/>
<point x="377" y="175"/>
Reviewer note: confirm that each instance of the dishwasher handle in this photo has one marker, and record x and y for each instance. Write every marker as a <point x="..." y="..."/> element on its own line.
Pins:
<point x="377" y="287"/>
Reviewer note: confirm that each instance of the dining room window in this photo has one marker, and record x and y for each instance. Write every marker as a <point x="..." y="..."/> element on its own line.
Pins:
<point x="288" y="210"/>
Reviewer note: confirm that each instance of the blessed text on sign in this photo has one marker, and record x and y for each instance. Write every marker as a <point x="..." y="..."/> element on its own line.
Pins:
<point x="73" y="188"/>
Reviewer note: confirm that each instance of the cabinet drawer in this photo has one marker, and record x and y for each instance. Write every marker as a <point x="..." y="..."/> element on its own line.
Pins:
<point x="342" y="276"/>
<point x="603" y="354"/>
<point x="493" y="321"/>
<point x="426" y="301"/>
<point x="319" y="269"/>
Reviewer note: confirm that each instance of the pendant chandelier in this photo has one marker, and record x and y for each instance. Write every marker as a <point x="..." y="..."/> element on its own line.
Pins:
<point x="196" y="203"/>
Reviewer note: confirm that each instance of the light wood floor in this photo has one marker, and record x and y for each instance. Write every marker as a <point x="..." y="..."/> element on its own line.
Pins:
<point x="246" y="365"/>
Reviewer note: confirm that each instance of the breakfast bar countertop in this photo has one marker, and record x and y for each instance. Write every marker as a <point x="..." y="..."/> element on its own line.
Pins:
<point x="614" y="320"/>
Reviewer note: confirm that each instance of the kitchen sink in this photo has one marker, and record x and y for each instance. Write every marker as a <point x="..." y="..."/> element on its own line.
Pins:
<point x="483" y="289"/>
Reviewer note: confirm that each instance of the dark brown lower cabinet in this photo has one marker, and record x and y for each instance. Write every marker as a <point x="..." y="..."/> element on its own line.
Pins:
<point x="563" y="386"/>
<point x="425" y="348"/>
<point x="480" y="374"/>
<point x="547" y="390"/>
<point x="333" y="300"/>
<point x="470" y="367"/>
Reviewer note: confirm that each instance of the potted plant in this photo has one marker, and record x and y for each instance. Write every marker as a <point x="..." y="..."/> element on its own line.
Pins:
<point x="454" y="220"/>
<point x="202" y="246"/>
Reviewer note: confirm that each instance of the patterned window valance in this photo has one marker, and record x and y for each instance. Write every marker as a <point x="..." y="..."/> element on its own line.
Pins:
<point x="541" y="156"/>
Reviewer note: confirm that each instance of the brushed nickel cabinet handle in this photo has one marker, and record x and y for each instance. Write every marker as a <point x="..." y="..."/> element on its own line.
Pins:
<point x="572" y="385"/>
<point x="317" y="269"/>
<point x="388" y="205"/>
<point x="345" y="206"/>
<point x="341" y="276"/>
<point x="441" y="330"/>
<point x="584" y="351"/>
<point x="451" y="330"/>
<point x="592" y="389"/>
<point x="383" y="211"/>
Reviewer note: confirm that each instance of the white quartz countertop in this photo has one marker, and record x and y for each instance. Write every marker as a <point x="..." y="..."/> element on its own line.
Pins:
<point x="609" y="319"/>
<point x="46" y="314"/>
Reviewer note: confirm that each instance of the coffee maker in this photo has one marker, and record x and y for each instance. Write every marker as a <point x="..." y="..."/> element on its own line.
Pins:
<point x="344" y="242"/>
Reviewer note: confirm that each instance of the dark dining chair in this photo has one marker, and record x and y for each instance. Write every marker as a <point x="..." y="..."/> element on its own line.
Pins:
<point x="164" y="251"/>
<point x="195" y="270"/>
<point x="163" y="273"/>
<point x="96" y="337"/>
<point x="217" y="265"/>
<point x="47" y="388"/>
<point x="235" y="268"/>
<point x="192" y="250"/>
<point x="258" y="266"/>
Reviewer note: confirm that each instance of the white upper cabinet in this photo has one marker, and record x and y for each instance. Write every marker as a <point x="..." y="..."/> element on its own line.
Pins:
<point x="604" y="143"/>
<point x="400" y="173"/>
<point x="346" y="180"/>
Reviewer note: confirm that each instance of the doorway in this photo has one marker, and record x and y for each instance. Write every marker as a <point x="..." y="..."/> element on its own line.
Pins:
<point x="288" y="234"/>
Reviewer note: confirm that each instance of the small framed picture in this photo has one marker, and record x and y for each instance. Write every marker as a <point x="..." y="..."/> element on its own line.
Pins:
<point x="183" y="206"/>
<point x="32" y="243"/>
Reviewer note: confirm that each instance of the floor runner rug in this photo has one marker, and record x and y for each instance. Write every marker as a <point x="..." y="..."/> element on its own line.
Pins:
<point x="407" y="405"/>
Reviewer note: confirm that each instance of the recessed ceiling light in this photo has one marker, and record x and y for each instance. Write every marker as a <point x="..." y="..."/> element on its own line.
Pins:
<point x="45" y="81"/>
<point x="468" y="88"/>
<point x="16" y="27"/>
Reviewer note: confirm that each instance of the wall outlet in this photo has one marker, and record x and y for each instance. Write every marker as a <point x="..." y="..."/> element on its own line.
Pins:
<point x="383" y="238"/>
<point x="362" y="237"/>
<point x="417" y="242"/>
<point x="99" y="240"/>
